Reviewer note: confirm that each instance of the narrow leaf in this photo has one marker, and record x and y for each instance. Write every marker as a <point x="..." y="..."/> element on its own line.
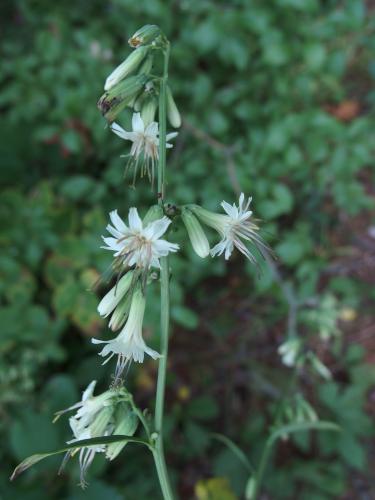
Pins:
<point x="235" y="449"/>
<point x="304" y="426"/>
<point x="33" y="459"/>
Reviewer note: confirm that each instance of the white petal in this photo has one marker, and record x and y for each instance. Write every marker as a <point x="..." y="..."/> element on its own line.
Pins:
<point x="230" y="210"/>
<point x="114" y="232"/>
<point x="172" y="135"/>
<point x="115" y="127"/>
<point x="87" y="393"/>
<point x="152" y="130"/>
<point x="157" y="228"/>
<point x="117" y="221"/>
<point x="137" y="123"/>
<point x="163" y="247"/>
<point x="112" y="244"/>
<point x="135" y="222"/>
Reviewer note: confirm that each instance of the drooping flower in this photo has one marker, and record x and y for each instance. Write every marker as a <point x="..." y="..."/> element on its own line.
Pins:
<point x="129" y="344"/>
<point x="86" y="454"/>
<point x="145" y="147"/>
<point x="233" y="227"/>
<point x="94" y="418"/>
<point x="136" y="245"/>
<point x="89" y="404"/>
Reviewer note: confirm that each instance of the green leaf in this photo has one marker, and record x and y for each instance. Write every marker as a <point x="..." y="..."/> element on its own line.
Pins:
<point x="235" y="449"/>
<point x="33" y="459"/>
<point x="304" y="426"/>
<point x="185" y="317"/>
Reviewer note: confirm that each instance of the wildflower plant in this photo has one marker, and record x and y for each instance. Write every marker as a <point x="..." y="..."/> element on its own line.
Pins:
<point x="106" y="422"/>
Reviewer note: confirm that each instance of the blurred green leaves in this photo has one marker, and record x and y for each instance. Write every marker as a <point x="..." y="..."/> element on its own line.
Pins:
<point x="269" y="81"/>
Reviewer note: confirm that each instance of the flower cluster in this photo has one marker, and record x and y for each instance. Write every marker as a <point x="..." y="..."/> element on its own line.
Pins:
<point x="99" y="416"/>
<point x="137" y="248"/>
<point x="133" y="86"/>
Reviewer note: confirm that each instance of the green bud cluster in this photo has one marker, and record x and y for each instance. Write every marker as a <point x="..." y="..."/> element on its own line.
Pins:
<point x="132" y="83"/>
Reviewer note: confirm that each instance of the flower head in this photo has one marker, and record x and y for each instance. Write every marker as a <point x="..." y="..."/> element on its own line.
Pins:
<point x="136" y="245"/>
<point x="234" y="227"/>
<point x="129" y="344"/>
<point x="145" y="145"/>
<point x="94" y="418"/>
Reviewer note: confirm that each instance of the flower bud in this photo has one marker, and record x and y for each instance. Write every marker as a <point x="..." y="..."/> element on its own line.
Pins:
<point x="118" y="97"/>
<point x="120" y="314"/>
<point x="126" y="423"/>
<point x="144" y="35"/>
<point x="146" y="66"/>
<point x="211" y="219"/>
<point x="148" y="110"/>
<point x="101" y="421"/>
<point x="125" y="68"/>
<point x="114" y="296"/>
<point x="154" y="213"/>
<point x="196" y="234"/>
<point x="173" y="114"/>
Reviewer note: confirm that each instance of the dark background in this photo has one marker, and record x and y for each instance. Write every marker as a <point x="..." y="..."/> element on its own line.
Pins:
<point x="276" y="99"/>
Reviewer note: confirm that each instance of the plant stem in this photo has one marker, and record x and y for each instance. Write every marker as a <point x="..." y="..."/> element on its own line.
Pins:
<point x="261" y="468"/>
<point x="158" y="452"/>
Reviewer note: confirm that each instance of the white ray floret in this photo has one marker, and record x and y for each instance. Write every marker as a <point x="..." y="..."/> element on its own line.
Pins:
<point x="137" y="245"/>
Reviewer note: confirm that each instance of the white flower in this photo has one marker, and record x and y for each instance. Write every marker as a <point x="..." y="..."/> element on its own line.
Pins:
<point x="86" y="454"/>
<point x="129" y="344"/>
<point x="145" y="145"/>
<point x="92" y="419"/>
<point x="89" y="406"/>
<point x="233" y="227"/>
<point x="289" y="351"/>
<point x="136" y="245"/>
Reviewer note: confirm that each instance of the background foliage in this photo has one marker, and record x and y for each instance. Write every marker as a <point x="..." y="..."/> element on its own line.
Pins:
<point x="276" y="99"/>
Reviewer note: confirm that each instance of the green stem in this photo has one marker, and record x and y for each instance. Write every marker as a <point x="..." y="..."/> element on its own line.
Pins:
<point x="158" y="452"/>
<point x="261" y="468"/>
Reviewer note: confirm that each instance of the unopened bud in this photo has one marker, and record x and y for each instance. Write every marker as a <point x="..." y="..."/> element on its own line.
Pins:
<point x="146" y="66"/>
<point x="121" y="313"/>
<point x="126" y="423"/>
<point x="114" y="296"/>
<point x="118" y="97"/>
<point x="101" y="421"/>
<point x="144" y="35"/>
<point x="196" y="234"/>
<point x="130" y="64"/>
<point x="154" y="213"/>
<point x="148" y="110"/>
<point x="173" y="114"/>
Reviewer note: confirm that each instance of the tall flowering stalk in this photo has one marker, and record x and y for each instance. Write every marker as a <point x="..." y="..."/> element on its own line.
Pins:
<point x="105" y="423"/>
